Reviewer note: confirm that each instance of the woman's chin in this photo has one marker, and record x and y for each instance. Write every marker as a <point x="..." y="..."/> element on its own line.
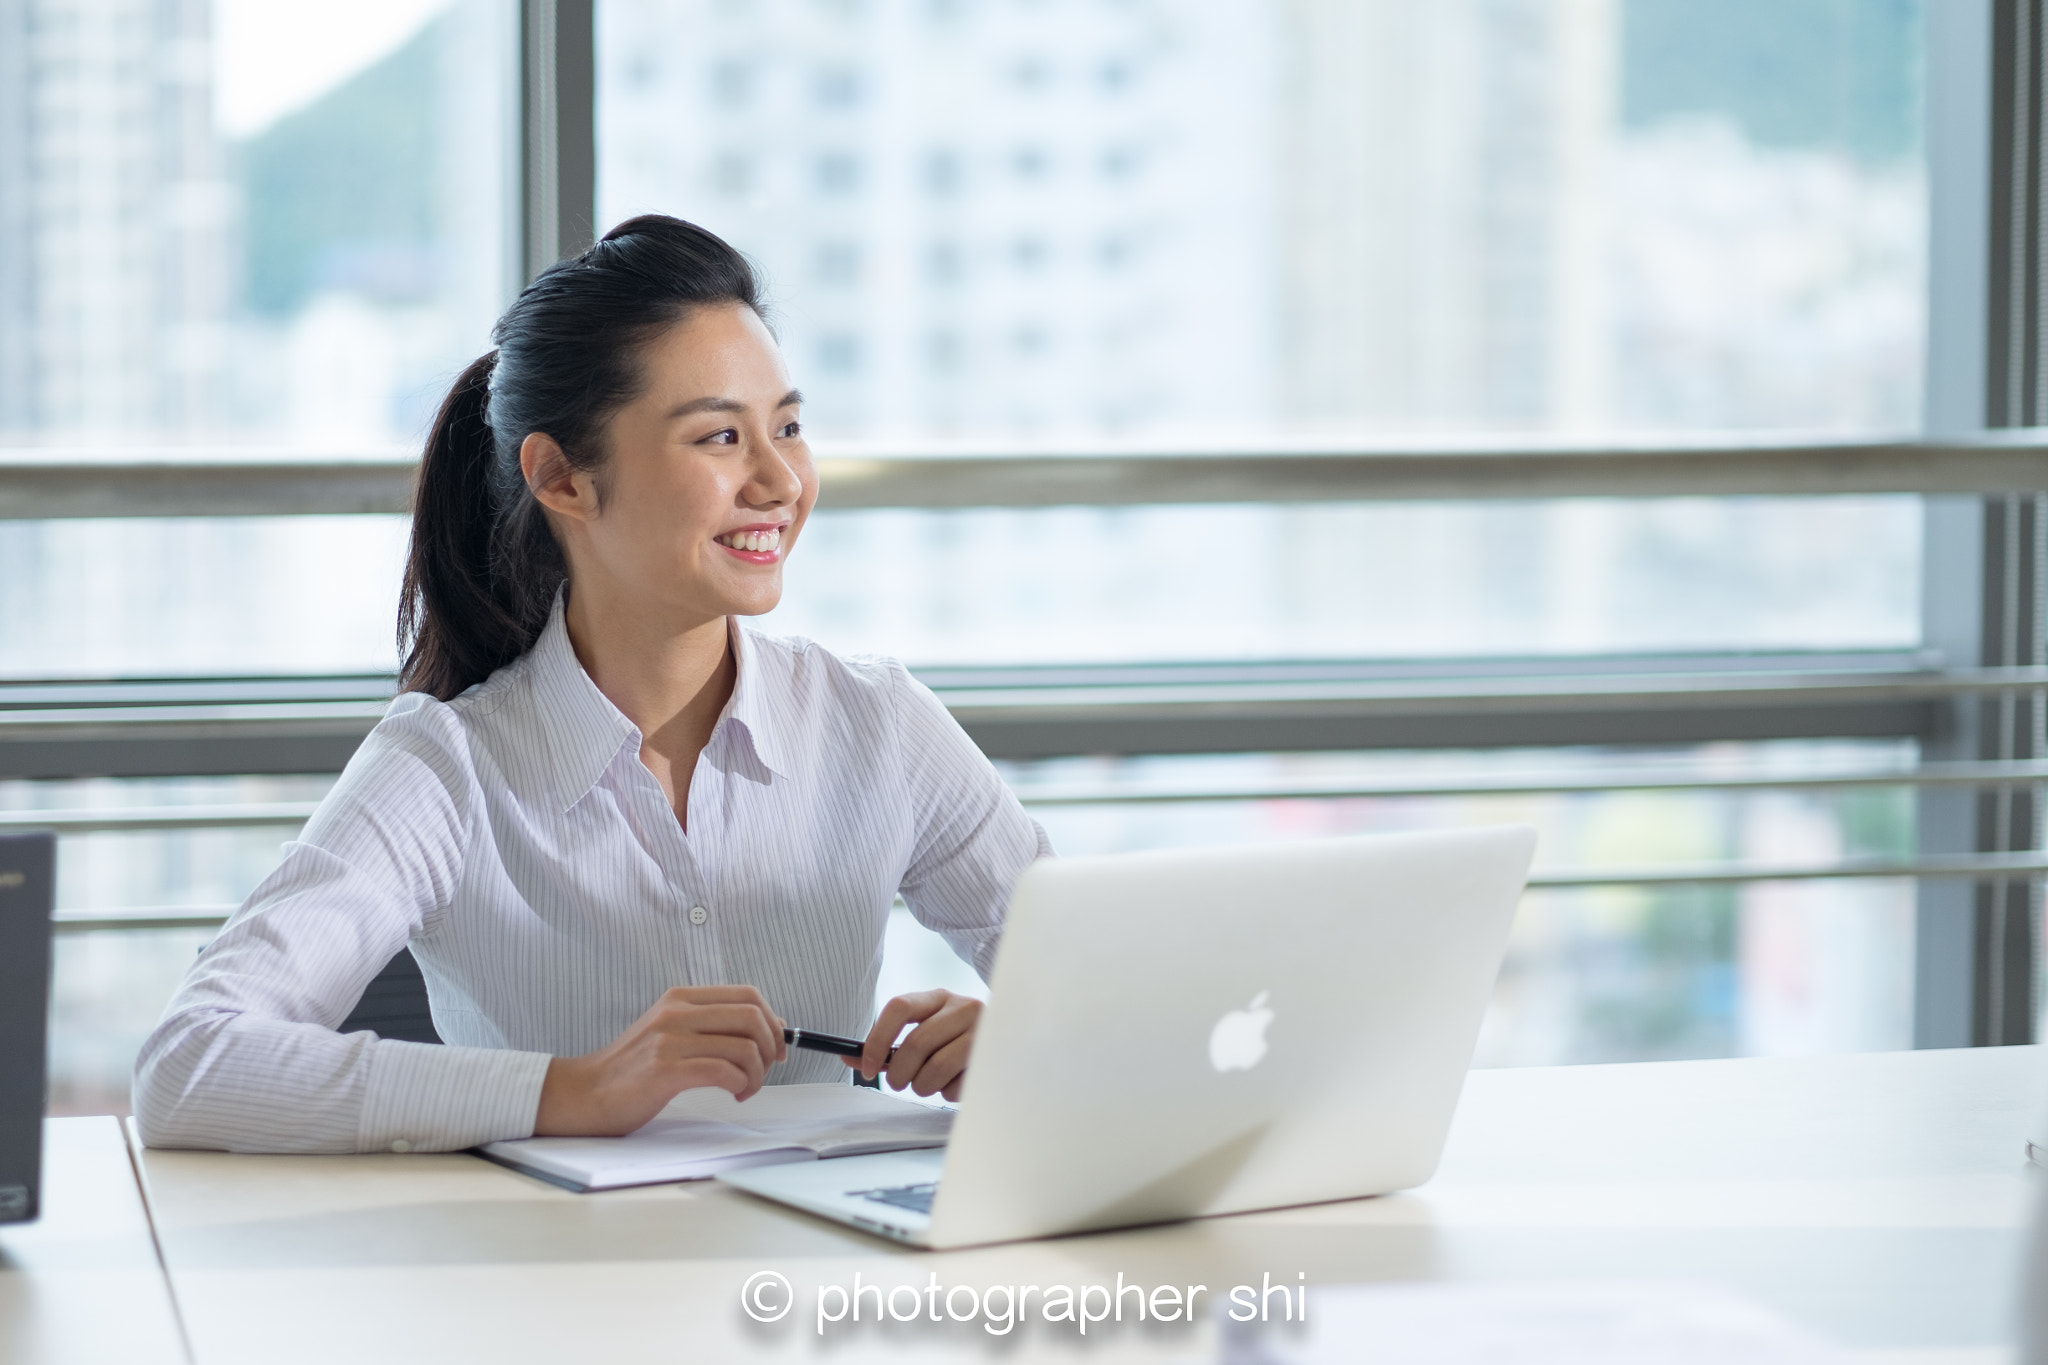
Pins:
<point x="754" y="603"/>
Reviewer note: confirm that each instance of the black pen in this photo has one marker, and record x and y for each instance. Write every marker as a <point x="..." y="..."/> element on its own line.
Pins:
<point x="812" y="1041"/>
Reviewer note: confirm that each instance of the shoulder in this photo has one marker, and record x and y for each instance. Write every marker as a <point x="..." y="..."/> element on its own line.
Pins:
<point x="806" y="668"/>
<point x="412" y="772"/>
<point x="416" y="722"/>
<point x="418" y="738"/>
<point x="872" y="688"/>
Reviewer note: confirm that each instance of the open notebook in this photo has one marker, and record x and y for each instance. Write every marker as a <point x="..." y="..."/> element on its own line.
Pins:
<point x="703" y="1132"/>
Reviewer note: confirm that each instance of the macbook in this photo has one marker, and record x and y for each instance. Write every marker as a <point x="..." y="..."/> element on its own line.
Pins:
<point x="1189" y="1032"/>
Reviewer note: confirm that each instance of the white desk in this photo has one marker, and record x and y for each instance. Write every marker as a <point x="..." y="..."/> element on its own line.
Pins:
<point x="82" y="1285"/>
<point x="1879" y="1200"/>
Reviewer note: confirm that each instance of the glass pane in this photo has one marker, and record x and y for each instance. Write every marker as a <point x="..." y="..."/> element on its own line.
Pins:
<point x="247" y="220"/>
<point x="200" y="597"/>
<point x="1176" y="220"/>
<point x="1166" y="216"/>
<point x="238" y="221"/>
<point x="1389" y="580"/>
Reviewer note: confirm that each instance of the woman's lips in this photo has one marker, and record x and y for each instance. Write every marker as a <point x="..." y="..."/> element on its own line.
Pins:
<point x="756" y="545"/>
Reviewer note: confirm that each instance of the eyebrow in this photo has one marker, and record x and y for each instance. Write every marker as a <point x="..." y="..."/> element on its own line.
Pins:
<point x="794" y="398"/>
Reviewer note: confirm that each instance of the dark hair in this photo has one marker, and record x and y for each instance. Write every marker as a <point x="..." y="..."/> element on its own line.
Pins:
<point x="483" y="568"/>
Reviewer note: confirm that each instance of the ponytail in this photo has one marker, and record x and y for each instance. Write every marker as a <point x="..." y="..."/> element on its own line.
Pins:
<point x="484" y="567"/>
<point x="468" y="608"/>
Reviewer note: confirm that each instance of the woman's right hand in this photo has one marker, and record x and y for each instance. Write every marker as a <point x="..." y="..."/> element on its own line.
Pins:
<point x="693" y="1036"/>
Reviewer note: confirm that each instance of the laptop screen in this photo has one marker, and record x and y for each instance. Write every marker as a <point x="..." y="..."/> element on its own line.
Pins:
<point x="27" y="889"/>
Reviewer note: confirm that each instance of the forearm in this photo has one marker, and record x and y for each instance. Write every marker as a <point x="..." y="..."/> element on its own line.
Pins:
<point x="237" y="1083"/>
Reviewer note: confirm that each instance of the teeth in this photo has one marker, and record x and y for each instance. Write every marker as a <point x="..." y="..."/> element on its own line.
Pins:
<point x="756" y="541"/>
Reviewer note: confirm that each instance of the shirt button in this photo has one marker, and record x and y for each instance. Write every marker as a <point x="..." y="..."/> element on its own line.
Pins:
<point x="698" y="914"/>
<point x="401" y="1145"/>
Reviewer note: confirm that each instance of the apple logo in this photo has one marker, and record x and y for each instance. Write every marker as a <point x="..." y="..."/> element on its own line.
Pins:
<point x="1238" y="1041"/>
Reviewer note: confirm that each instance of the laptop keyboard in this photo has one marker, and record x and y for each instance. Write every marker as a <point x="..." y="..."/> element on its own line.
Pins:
<point x="914" y="1197"/>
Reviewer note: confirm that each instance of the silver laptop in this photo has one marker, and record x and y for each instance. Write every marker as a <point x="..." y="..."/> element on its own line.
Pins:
<point x="1193" y="1032"/>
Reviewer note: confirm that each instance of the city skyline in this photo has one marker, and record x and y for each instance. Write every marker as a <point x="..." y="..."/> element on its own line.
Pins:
<point x="993" y="221"/>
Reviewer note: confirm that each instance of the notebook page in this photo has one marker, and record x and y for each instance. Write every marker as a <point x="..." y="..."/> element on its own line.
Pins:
<point x="832" y="1120"/>
<point x="703" y="1132"/>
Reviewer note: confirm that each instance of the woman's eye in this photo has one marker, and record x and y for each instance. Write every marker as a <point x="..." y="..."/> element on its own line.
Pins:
<point x="728" y="437"/>
<point x="793" y="429"/>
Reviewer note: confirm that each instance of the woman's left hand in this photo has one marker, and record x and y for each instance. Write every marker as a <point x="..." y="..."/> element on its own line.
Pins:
<point x="933" y="1059"/>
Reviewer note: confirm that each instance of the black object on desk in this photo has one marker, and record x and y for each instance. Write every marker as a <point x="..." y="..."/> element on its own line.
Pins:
<point x="28" y="866"/>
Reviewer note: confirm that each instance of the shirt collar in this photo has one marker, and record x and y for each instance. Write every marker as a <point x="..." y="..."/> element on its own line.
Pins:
<point x="751" y="704"/>
<point x="585" y="732"/>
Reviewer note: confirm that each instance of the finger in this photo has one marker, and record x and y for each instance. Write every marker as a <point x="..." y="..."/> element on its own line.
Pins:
<point x="680" y="1050"/>
<point x="925" y="1040"/>
<point x="739" y="1021"/>
<point x="898" y="1012"/>
<point x="743" y="1052"/>
<point x="746" y="1054"/>
<point x="718" y="995"/>
<point x="701" y="1072"/>
<point x="945" y="1068"/>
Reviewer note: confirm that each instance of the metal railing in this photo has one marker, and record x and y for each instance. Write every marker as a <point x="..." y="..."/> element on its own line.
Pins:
<point x="190" y="728"/>
<point x="40" y="484"/>
<point x="1042" y="794"/>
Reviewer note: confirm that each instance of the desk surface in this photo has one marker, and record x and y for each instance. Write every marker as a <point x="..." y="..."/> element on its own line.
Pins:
<point x="1878" y="1200"/>
<point x="82" y="1285"/>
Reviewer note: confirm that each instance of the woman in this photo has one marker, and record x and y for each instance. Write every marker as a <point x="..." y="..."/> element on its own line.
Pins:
<point x="624" y="837"/>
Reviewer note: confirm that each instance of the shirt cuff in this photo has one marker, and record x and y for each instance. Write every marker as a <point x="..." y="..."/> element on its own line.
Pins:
<point x="424" y="1097"/>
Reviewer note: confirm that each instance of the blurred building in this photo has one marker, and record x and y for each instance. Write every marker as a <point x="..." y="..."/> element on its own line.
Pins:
<point x="1443" y="245"/>
<point x="116" y="264"/>
<point x="976" y="219"/>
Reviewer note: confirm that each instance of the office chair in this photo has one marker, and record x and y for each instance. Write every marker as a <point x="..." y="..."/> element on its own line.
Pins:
<point x="394" y="1004"/>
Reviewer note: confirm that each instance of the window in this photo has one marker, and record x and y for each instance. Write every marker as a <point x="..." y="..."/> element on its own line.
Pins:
<point x="1336" y="221"/>
<point x="286" y="224"/>
<point x="838" y="173"/>
<point x="1079" y="228"/>
<point x="1385" y="217"/>
<point x="289" y="228"/>
<point x="1263" y="225"/>
<point x="732" y="83"/>
<point x="248" y="224"/>
<point x="839" y="263"/>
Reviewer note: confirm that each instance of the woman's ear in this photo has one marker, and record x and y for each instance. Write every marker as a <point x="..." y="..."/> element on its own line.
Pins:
<point x="556" y="484"/>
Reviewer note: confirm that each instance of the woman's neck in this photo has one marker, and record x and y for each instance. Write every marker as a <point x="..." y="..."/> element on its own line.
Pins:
<point x="671" y="679"/>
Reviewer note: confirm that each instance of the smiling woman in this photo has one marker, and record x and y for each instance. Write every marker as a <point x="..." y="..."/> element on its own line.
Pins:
<point x="625" y="838"/>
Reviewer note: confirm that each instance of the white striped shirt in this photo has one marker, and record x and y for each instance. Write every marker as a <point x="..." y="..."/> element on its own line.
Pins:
<point x="514" y="839"/>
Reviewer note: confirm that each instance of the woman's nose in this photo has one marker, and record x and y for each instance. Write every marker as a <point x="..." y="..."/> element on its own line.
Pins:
<point x="775" y="480"/>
